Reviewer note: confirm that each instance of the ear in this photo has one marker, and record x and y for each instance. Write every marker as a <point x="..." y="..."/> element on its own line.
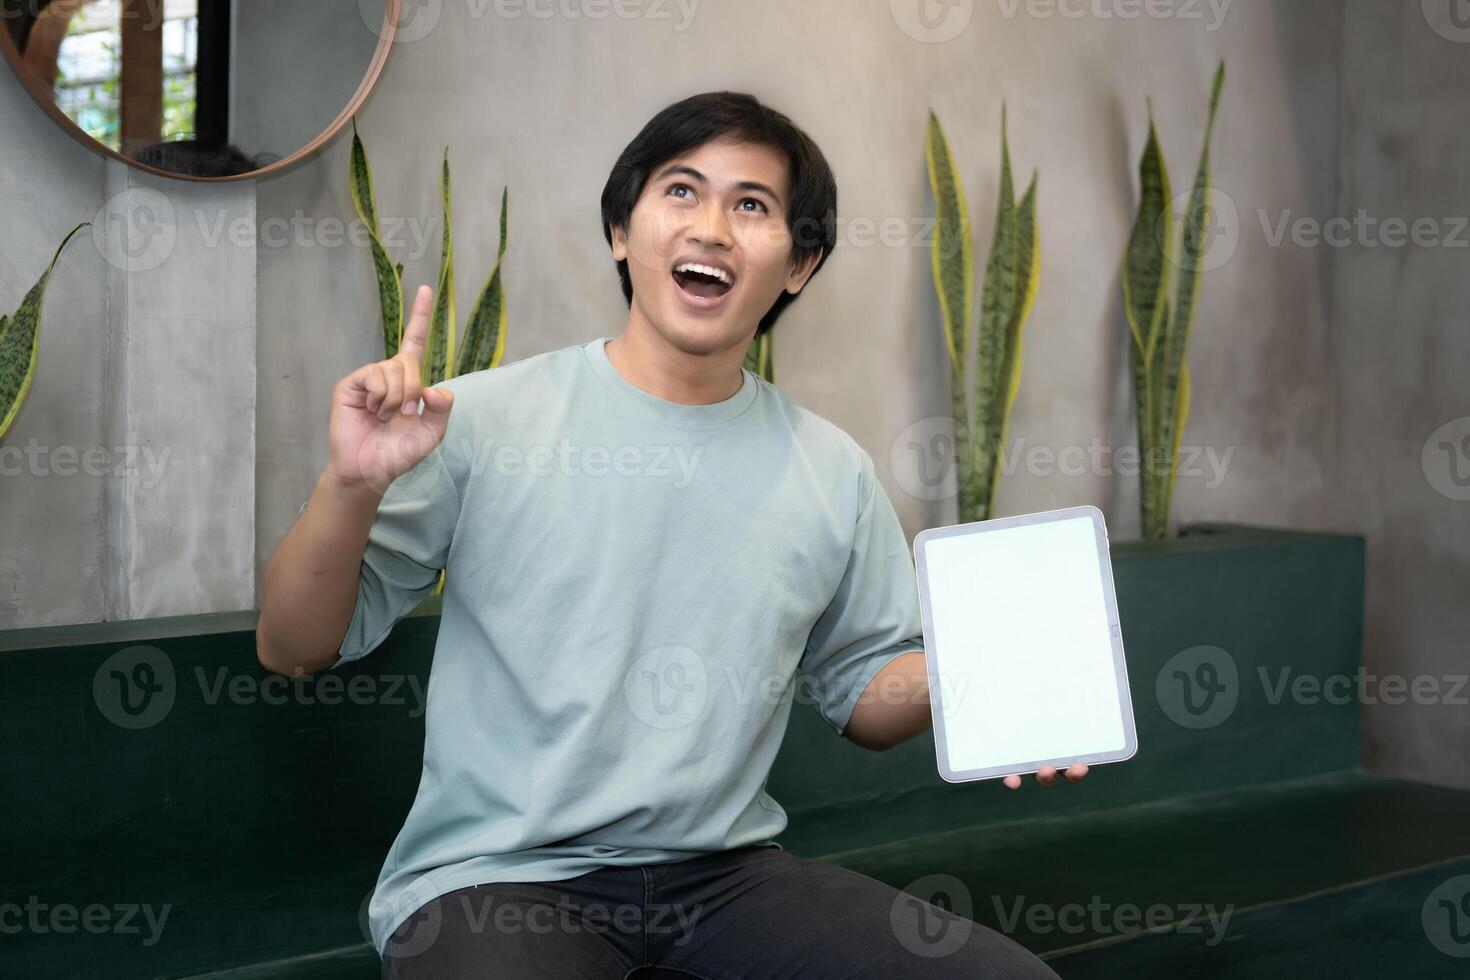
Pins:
<point x="800" y="273"/>
<point x="619" y="243"/>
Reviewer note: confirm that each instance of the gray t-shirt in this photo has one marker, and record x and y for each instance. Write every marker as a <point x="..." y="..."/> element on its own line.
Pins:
<point x="636" y="590"/>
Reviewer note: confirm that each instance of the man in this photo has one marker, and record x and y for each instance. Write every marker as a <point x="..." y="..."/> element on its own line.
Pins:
<point x="646" y="548"/>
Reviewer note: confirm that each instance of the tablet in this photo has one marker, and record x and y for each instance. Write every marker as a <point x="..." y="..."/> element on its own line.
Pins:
<point x="1023" y="645"/>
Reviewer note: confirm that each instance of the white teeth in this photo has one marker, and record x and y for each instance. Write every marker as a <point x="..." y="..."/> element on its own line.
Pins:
<point x="707" y="270"/>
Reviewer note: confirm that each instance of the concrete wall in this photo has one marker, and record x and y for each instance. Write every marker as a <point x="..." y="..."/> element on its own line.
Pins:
<point x="53" y="528"/>
<point x="127" y="490"/>
<point x="1400" y="355"/>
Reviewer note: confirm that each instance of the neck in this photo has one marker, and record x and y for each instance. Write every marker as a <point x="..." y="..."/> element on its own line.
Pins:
<point x="649" y="360"/>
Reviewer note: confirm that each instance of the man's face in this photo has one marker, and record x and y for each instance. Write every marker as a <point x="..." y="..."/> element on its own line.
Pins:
<point x="721" y="207"/>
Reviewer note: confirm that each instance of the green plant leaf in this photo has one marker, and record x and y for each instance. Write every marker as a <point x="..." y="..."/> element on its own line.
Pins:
<point x="439" y="348"/>
<point x="1198" y="220"/>
<point x="484" y="336"/>
<point x="1027" y="282"/>
<point x="20" y="343"/>
<point x="390" y="276"/>
<point x="998" y="303"/>
<point x="952" y="257"/>
<point x="758" y="359"/>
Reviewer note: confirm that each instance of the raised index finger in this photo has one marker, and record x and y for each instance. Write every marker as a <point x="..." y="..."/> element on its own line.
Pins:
<point x="416" y="334"/>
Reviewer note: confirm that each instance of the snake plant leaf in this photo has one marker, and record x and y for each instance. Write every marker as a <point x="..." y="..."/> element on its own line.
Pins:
<point x="998" y="305"/>
<point x="390" y="276"/>
<point x="952" y="256"/>
<point x="439" y="347"/>
<point x="1145" y="284"/>
<point x="952" y="262"/>
<point x="1146" y="265"/>
<point x="758" y="359"/>
<point x="1198" y="220"/>
<point x="484" y="336"/>
<point x="1028" y="281"/>
<point x="20" y="343"/>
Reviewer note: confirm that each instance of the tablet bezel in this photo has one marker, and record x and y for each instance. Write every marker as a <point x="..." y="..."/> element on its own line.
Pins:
<point x="931" y="653"/>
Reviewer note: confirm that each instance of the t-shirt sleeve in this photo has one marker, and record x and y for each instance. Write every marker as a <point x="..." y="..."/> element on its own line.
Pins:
<point x="872" y="618"/>
<point x="408" y="545"/>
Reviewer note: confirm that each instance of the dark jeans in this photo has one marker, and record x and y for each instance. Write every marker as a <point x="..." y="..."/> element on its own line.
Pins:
<point x="751" y="913"/>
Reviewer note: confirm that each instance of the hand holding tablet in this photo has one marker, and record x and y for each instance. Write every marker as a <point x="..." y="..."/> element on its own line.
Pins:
<point x="1023" y="647"/>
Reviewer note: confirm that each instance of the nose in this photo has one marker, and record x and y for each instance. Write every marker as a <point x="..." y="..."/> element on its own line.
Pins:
<point x="710" y="226"/>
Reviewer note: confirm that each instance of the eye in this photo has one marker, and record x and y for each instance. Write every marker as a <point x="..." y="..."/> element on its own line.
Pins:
<point x="756" y="201"/>
<point x="674" y="187"/>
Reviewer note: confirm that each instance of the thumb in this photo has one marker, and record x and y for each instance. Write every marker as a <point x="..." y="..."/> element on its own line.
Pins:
<point x="437" y="404"/>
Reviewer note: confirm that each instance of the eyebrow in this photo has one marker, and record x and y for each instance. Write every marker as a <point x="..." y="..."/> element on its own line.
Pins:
<point x="738" y="185"/>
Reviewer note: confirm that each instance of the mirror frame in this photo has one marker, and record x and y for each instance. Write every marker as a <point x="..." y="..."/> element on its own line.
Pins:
<point x="387" y="35"/>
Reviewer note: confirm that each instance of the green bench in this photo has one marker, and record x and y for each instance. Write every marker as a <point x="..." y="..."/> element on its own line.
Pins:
<point x="154" y="768"/>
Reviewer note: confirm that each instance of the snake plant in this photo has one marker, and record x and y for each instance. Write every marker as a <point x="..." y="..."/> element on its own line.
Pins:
<point x="1159" y="329"/>
<point x="446" y="353"/>
<point x="20" y="343"/>
<point x="1012" y="275"/>
<point x="758" y="358"/>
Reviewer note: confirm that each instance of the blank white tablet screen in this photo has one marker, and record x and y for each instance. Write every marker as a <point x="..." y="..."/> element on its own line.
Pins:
<point x="1023" y="645"/>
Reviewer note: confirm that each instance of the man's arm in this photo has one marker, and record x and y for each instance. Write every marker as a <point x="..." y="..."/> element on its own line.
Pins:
<point x="310" y="586"/>
<point x="894" y="707"/>
<point x="376" y="433"/>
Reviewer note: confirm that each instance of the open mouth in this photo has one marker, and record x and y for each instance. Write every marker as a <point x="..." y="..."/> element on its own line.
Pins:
<point x="702" y="282"/>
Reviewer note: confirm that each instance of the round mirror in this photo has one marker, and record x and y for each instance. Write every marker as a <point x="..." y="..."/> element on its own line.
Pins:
<point x="200" y="89"/>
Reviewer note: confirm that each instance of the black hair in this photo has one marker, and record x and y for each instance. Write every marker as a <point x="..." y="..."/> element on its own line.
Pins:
<point x="197" y="158"/>
<point x="700" y="119"/>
